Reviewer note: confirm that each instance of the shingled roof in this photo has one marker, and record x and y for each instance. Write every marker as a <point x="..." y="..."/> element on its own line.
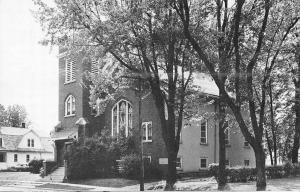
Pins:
<point x="12" y="136"/>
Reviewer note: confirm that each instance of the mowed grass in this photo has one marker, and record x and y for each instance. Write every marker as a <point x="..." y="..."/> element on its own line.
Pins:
<point x="109" y="182"/>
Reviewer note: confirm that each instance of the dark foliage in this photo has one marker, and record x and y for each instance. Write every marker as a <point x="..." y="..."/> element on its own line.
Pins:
<point x="130" y="168"/>
<point x="245" y="174"/>
<point x="96" y="157"/>
<point x="35" y="166"/>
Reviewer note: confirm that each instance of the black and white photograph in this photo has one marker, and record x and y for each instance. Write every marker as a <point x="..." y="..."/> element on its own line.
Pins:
<point x="149" y="95"/>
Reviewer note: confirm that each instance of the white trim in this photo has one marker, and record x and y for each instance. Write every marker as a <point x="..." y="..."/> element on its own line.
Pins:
<point x="206" y="166"/>
<point x="146" y="131"/>
<point x="69" y="100"/>
<point x="116" y="105"/>
<point x="126" y="119"/>
<point x="147" y="156"/>
<point x="205" y="131"/>
<point x="112" y="122"/>
<point x="181" y="163"/>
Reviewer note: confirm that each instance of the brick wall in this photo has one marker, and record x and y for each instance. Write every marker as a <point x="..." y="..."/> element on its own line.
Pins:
<point x="156" y="149"/>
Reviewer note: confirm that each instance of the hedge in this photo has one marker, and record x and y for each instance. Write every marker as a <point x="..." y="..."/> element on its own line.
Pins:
<point x="244" y="174"/>
<point x="130" y="168"/>
<point x="35" y="166"/>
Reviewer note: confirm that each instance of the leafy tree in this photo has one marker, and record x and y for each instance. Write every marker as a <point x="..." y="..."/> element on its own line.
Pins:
<point x="13" y="116"/>
<point x="296" y="80"/>
<point x="241" y="32"/>
<point x="3" y="116"/>
<point x="144" y="39"/>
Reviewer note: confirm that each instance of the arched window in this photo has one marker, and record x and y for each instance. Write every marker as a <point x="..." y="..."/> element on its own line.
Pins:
<point x="227" y="136"/>
<point x="70" y="106"/>
<point x="121" y="118"/>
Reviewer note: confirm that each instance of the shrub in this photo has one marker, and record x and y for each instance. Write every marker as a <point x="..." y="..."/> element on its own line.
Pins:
<point x="244" y="174"/>
<point x="92" y="159"/>
<point x="274" y="172"/>
<point x="35" y="166"/>
<point x="214" y="170"/>
<point x="96" y="156"/>
<point x="131" y="168"/>
<point x="287" y="168"/>
<point x="295" y="169"/>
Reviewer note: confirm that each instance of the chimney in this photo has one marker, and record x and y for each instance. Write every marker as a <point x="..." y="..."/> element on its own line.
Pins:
<point x="23" y="125"/>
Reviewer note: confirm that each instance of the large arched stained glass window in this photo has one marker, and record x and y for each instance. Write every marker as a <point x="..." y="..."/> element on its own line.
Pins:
<point x="121" y="118"/>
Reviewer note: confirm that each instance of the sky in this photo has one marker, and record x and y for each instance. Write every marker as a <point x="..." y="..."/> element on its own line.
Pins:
<point x="28" y="70"/>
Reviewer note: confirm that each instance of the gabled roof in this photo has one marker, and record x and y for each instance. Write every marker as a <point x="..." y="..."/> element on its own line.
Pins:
<point x="14" y="131"/>
<point x="63" y="134"/>
<point x="46" y="142"/>
<point x="205" y="83"/>
<point x="12" y="136"/>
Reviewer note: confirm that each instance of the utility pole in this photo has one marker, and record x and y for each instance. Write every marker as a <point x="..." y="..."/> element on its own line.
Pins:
<point x="141" y="138"/>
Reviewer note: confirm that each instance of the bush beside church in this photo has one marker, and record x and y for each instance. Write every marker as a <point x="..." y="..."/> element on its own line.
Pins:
<point x="96" y="157"/>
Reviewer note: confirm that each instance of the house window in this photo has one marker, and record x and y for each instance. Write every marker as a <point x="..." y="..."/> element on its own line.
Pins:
<point x="69" y="70"/>
<point x="147" y="131"/>
<point x="147" y="160"/>
<point x="27" y="158"/>
<point x="203" y="163"/>
<point x="203" y="132"/>
<point x="2" y="157"/>
<point x="227" y="136"/>
<point x="227" y="162"/>
<point x="15" y="157"/>
<point x="179" y="163"/>
<point x="32" y="143"/>
<point x="246" y="163"/>
<point x="70" y="106"/>
<point x="121" y="118"/>
<point x="28" y="142"/>
<point x="1" y="142"/>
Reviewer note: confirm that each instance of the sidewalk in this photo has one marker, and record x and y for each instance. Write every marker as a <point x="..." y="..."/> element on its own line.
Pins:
<point x="53" y="186"/>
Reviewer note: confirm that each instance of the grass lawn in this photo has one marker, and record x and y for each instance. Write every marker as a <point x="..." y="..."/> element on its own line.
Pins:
<point x="210" y="184"/>
<point x="110" y="182"/>
<point x="19" y="176"/>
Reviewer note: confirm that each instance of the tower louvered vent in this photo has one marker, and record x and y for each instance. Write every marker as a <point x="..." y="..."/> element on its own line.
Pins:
<point x="70" y="70"/>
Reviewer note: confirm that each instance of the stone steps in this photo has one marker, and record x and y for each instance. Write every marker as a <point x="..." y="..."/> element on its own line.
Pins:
<point x="56" y="177"/>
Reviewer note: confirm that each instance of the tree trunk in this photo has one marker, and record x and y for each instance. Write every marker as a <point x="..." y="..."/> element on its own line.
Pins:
<point x="222" y="148"/>
<point x="171" y="177"/>
<point x="273" y="127"/>
<point x="297" y="108"/>
<point x="269" y="147"/>
<point x="260" y="167"/>
<point x="296" y="143"/>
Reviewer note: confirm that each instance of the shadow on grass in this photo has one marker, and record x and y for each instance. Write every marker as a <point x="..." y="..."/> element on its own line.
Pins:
<point x="109" y="182"/>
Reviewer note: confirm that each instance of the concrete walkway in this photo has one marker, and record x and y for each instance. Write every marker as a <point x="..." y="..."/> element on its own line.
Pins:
<point x="48" y="186"/>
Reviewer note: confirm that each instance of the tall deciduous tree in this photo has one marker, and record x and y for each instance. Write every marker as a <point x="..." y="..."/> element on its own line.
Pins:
<point x="240" y="44"/>
<point x="13" y="116"/>
<point x="145" y="40"/>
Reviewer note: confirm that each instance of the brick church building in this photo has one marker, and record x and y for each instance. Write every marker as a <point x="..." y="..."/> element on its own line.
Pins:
<point x="199" y="138"/>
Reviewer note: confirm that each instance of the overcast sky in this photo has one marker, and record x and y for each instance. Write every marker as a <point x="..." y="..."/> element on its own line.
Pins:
<point x="28" y="70"/>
